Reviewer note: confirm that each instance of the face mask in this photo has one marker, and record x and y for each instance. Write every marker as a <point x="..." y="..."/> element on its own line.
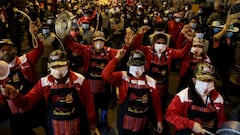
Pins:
<point x="196" y="51"/>
<point x="139" y="13"/>
<point x="165" y="19"/>
<point x="216" y="30"/>
<point x="45" y="31"/>
<point x="145" y="21"/>
<point x="106" y="10"/>
<point x="128" y="16"/>
<point x="200" y="11"/>
<point x="98" y="45"/>
<point x="199" y="35"/>
<point x="60" y="72"/>
<point x="177" y="19"/>
<point x="193" y="25"/>
<point x="228" y="34"/>
<point x="85" y="26"/>
<point x="49" y="21"/>
<point x="157" y="32"/>
<point x="159" y="48"/>
<point x="203" y="88"/>
<point x="75" y="21"/>
<point x="74" y="33"/>
<point x="136" y="71"/>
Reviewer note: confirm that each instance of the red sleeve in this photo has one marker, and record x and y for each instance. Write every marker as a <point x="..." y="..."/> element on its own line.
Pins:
<point x="157" y="104"/>
<point x="31" y="98"/>
<point x="108" y="74"/>
<point x="1" y="99"/>
<point x="221" y="116"/>
<point x="175" y="115"/>
<point x="137" y="41"/>
<point x="180" y="53"/>
<point x="74" y="46"/>
<point x="87" y="101"/>
<point x="180" y="40"/>
<point x="113" y="53"/>
<point x="34" y="55"/>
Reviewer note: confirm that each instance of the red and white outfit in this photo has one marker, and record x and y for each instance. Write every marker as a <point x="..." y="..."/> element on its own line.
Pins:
<point x="161" y="64"/>
<point x="182" y="112"/>
<point x="63" y="117"/>
<point x="135" y="97"/>
<point x="174" y="29"/>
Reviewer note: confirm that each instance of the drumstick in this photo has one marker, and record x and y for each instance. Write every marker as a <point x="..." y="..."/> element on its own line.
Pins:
<point x="208" y="132"/>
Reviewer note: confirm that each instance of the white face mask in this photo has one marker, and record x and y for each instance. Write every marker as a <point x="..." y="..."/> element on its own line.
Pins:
<point x="196" y="51"/>
<point x="60" y="72"/>
<point x="50" y="21"/>
<point x="136" y="71"/>
<point x="45" y="31"/>
<point x="85" y="26"/>
<point x="145" y="21"/>
<point x="98" y="45"/>
<point x="199" y="35"/>
<point x="177" y="19"/>
<point x="159" y="48"/>
<point x="203" y="88"/>
<point x="165" y="19"/>
<point x="193" y="25"/>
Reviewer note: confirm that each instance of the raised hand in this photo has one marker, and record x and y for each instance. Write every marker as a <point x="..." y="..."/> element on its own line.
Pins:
<point x="129" y="37"/>
<point x="9" y="91"/>
<point x="120" y="54"/>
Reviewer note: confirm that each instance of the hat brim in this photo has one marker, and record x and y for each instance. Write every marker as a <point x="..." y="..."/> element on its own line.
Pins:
<point x="99" y="38"/>
<point x="205" y="77"/>
<point x="198" y="44"/>
<point x="57" y="63"/>
<point x="234" y="29"/>
<point x="135" y="62"/>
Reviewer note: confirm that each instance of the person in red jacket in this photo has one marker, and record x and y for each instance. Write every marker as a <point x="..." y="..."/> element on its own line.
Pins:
<point x="5" y="127"/>
<point x="95" y="57"/>
<point x="159" y="57"/>
<point x="174" y="28"/>
<point x="197" y="54"/>
<point x="64" y="91"/>
<point x="137" y="93"/>
<point x="199" y="107"/>
<point x="23" y="76"/>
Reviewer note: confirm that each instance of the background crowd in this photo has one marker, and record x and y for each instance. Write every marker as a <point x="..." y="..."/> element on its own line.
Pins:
<point x="100" y="46"/>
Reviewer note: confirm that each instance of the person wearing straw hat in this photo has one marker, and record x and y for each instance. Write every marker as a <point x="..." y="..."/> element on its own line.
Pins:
<point x="137" y="93"/>
<point x="222" y="53"/>
<point x="159" y="58"/>
<point x="199" y="108"/>
<point x="64" y="92"/>
<point x="96" y="57"/>
<point x="197" y="54"/>
<point x="50" y="43"/>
